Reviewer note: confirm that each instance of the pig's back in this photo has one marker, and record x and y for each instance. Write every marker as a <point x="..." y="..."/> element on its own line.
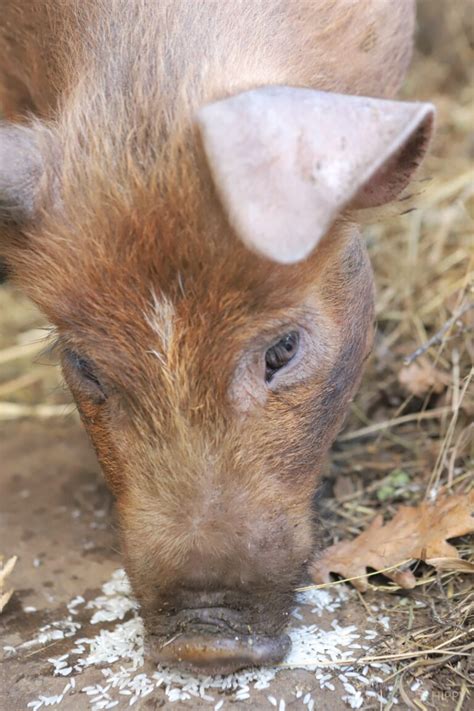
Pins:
<point x="205" y="48"/>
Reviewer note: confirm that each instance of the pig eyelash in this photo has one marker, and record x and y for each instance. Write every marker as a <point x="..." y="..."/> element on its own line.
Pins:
<point x="86" y="371"/>
<point x="280" y="354"/>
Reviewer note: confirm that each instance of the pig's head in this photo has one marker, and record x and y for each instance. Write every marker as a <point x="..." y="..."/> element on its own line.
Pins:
<point x="213" y="307"/>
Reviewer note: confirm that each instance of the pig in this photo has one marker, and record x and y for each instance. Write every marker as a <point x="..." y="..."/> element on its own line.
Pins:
<point x="179" y="188"/>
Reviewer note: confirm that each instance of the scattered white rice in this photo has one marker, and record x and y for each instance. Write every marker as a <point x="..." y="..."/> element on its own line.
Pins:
<point x="119" y="654"/>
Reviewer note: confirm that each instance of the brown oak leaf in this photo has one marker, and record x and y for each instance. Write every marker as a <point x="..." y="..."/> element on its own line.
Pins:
<point x="414" y="533"/>
<point x="421" y="377"/>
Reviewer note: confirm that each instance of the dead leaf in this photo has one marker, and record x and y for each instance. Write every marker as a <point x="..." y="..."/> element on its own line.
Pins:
<point x="4" y="598"/>
<point x="4" y="573"/>
<point x="421" y="377"/>
<point x="414" y="533"/>
<point x="457" y="565"/>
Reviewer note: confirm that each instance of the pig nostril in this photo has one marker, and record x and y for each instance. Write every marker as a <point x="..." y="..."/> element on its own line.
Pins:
<point x="215" y="654"/>
<point x="213" y="617"/>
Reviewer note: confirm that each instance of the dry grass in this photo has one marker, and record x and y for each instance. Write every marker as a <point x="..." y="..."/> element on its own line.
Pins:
<point x="397" y="447"/>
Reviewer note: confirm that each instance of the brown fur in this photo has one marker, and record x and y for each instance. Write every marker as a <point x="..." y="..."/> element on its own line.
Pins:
<point x="214" y="476"/>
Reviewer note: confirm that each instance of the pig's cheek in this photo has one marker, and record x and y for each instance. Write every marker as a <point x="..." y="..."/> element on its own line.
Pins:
<point x="92" y="416"/>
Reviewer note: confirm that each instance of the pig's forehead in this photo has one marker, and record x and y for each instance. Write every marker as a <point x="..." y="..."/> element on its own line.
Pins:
<point x="123" y="277"/>
<point x="218" y="297"/>
<point x="110" y="286"/>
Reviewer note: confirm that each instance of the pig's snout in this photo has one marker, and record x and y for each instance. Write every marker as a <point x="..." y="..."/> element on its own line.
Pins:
<point x="216" y="640"/>
<point x="216" y="594"/>
<point x="210" y="643"/>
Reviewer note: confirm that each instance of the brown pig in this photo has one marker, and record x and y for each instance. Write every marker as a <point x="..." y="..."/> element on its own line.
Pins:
<point x="176" y="186"/>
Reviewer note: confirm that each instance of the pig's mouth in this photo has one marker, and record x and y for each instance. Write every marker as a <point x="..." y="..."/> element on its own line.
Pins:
<point x="212" y="654"/>
<point x="214" y="641"/>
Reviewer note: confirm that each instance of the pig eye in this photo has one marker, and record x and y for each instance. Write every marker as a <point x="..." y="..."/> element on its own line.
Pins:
<point x="85" y="370"/>
<point x="280" y="354"/>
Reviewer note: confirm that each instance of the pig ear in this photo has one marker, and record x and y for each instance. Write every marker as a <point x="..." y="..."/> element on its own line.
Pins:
<point x="286" y="161"/>
<point x="20" y="171"/>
